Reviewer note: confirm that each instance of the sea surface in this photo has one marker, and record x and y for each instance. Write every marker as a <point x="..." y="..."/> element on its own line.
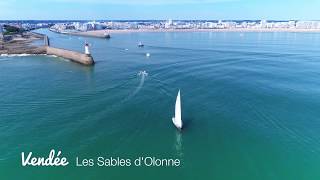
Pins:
<point x="250" y="105"/>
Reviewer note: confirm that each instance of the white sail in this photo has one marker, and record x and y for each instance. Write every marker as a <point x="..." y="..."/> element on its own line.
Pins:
<point x="177" y="121"/>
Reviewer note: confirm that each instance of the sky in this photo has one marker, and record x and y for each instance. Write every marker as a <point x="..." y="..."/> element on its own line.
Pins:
<point x="159" y="9"/>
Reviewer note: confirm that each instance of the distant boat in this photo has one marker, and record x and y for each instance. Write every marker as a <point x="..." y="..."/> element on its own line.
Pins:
<point x="177" y="121"/>
<point x="106" y="35"/>
<point x="142" y="73"/>
<point x="148" y="54"/>
<point x="140" y="44"/>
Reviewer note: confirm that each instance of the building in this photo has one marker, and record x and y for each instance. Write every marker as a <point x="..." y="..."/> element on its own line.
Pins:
<point x="168" y="24"/>
<point x="1" y="31"/>
<point x="263" y="24"/>
<point x="292" y="24"/>
<point x="304" y="25"/>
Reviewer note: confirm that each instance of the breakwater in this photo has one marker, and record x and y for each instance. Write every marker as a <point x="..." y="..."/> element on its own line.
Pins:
<point x="104" y="35"/>
<point x="90" y="34"/>
<point x="71" y="55"/>
<point x="85" y="59"/>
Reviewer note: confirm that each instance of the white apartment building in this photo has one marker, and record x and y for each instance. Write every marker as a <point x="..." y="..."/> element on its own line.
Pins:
<point x="308" y="25"/>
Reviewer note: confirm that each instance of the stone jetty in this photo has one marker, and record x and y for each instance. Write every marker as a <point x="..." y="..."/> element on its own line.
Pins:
<point x="104" y="35"/>
<point x="81" y="58"/>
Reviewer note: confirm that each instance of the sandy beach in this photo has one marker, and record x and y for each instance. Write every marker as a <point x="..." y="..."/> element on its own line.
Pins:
<point x="99" y="33"/>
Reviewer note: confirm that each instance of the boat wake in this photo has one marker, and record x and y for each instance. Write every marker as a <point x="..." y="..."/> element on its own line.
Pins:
<point x="143" y="75"/>
<point x="178" y="144"/>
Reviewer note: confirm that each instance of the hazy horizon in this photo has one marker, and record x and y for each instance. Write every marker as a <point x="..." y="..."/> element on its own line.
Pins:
<point x="132" y="20"/>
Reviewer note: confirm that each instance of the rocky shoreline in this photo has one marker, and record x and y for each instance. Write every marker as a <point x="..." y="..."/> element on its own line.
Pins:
<point x="22" y="44"/>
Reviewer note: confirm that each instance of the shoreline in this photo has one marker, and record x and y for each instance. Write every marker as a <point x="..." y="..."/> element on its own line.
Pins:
<point x="21" y="45"/>
<point x="240" y="30"/>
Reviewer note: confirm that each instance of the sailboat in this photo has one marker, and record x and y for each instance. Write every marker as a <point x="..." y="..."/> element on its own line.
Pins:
<point x="177" y="121"/>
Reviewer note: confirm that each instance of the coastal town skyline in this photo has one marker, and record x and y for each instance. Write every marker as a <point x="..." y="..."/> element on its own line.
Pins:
<point x="158" y="10"/>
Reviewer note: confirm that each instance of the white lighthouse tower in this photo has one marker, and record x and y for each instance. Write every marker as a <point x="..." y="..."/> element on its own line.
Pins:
<point x="86" y="49"/>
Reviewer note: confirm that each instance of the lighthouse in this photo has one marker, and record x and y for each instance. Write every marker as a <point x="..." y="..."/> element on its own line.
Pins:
<point x="86" y="49"/>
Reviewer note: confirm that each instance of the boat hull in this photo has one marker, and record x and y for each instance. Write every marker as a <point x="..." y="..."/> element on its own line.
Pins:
<point x="176" y="125"/>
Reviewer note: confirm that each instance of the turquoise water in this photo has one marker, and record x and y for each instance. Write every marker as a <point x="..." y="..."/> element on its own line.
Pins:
<point x="250" y="104"/>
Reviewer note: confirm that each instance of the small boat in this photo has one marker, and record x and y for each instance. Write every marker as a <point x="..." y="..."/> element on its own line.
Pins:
<point x="140" y="44"/>
<point x="142" y="73"/>
<point x="148" y="54"/>
<point x="106" y="35"/>
<point x="177" y="121"/>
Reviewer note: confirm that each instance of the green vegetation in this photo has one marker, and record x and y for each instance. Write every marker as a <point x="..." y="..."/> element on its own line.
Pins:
<point x="10" y="30"/>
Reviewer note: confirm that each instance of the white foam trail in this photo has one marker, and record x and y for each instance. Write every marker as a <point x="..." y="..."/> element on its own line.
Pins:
<point x="143" y="75"/>
<point x="178" y="144"/>
<point x="25" y="55"/>
<point x="16" y="55"/>
<point x="52" y="56"/>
